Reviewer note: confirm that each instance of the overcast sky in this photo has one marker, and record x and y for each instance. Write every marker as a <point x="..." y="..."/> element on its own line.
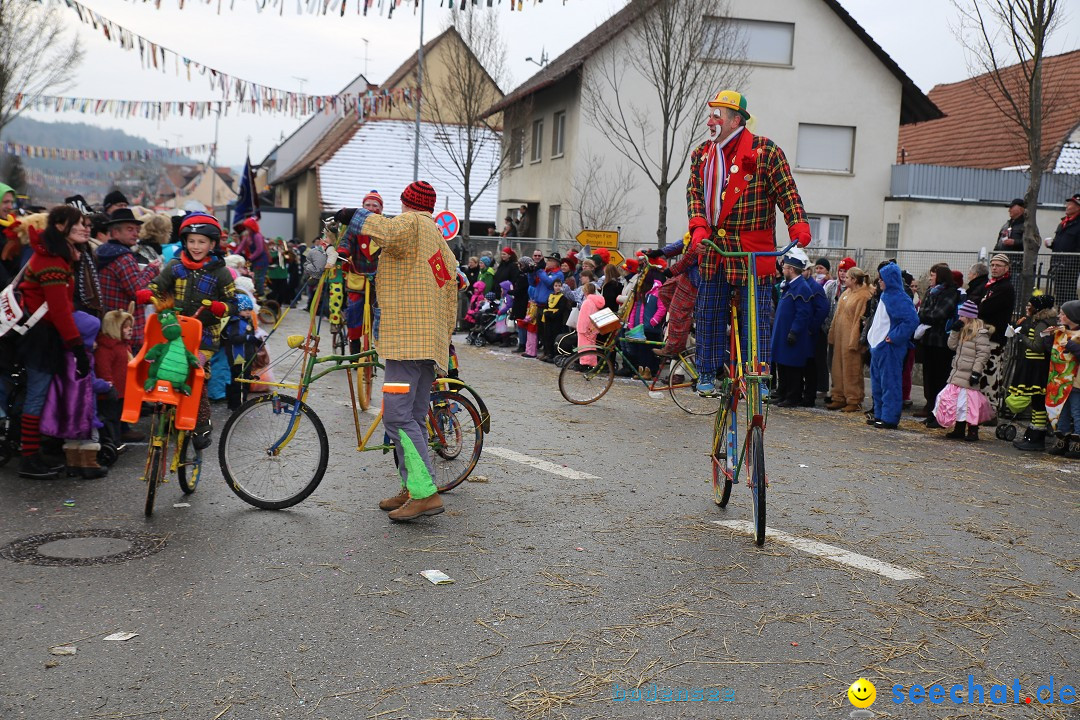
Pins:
<point x="321" y="54"/>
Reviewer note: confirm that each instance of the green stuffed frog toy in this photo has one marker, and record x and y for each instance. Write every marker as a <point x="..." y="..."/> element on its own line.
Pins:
<point x="170" y="360"/>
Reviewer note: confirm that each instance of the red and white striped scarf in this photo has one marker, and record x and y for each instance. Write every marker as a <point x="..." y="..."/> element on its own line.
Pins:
<point x="716" y="177"/>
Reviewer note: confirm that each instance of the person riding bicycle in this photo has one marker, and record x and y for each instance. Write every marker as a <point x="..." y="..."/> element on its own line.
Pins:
<point x="736" y="181"/>
<point x="418" y="295"/>
<point x="201" y="286"/>
<point x="361" y="263"/>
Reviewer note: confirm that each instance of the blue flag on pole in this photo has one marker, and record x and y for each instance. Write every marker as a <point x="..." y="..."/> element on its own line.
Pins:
<point x="247" y="200"/>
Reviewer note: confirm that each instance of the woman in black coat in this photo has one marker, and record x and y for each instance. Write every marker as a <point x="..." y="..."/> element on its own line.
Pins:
<point x="938" y="311"/>
<point x="506" y="270"/>
<point x="520" y="308"/>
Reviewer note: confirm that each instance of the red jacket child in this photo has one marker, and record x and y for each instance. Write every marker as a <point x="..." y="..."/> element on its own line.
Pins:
<point x="114" y="348"/>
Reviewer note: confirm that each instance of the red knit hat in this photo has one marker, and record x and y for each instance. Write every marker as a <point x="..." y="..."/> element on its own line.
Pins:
<point x="248" y="223"/>
<point x="419" y="195"/>
<point x="847" y="263"/>
<point x="373" y="195"/>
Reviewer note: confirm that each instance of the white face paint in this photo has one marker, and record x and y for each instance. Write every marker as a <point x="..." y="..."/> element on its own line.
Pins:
<point x="714" y="123"/>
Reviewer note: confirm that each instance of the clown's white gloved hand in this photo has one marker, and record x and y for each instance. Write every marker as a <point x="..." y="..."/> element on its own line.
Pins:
<point x="331" y="256"/>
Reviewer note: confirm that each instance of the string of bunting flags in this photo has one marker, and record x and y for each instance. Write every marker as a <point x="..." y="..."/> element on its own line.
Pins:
<point x="68" y="180"/>
<point x="159" y="57"/>
<point x="54" y="153"/>
<point x="366" y="104"/>
<point x="363" y="7"/>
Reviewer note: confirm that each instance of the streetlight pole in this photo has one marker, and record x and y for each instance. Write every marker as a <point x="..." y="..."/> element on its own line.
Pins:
<point x="213" y="163"/>
<point x="419" y="95"/>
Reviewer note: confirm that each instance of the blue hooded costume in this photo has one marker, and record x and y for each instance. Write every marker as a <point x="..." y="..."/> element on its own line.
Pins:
<point x="796" y="314"/>
<point x="891" y="330"/>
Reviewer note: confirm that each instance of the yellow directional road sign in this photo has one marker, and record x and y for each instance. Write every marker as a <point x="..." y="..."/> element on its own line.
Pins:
<point x="599" y="238"/>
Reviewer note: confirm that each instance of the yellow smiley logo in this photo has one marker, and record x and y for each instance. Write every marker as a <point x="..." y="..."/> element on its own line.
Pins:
<point x="862" y="693"/>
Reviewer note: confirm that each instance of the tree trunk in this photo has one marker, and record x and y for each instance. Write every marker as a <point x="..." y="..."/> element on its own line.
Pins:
<point x="463" y="228"/>
<point x="1035" y="167"/>
<point x="661" y="219"/>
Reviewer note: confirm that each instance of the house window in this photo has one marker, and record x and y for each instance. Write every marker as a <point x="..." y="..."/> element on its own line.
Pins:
<point x="892" y="236"/>
<point x="828" y="230"/>
<point x="517" y="147"/>
<point x="558" y="130"/>
<point x="754" y="41"/>
<point x="537" y="140"/>
<point x="554" y="213"/>
<point x="825" y="147"/>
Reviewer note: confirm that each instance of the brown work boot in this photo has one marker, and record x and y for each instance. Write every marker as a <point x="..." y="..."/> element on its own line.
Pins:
<point x="393" y="503"/>
<point x="851" y="408"/>
<point x="431" y="505"/>
<point x="836" y="405"/>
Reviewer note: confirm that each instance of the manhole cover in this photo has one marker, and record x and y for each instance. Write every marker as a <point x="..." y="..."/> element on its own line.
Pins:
<point x="82" y="547"/>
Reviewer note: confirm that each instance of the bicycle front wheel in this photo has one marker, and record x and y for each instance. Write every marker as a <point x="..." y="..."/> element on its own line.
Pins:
<point x="273" y="451"/>
<point x="755" y="462"/>
<point x="586" y="377"/>
<point x="154" y="472"/>
<point x="682" y="385"/>
<point x="725" y="459"/>
<point x="188" y="465"/>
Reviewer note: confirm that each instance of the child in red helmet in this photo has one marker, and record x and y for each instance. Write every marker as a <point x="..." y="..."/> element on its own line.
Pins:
<point x="198" y="273"/>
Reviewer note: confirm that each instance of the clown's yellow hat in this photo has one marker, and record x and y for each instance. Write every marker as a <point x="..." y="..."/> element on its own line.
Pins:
<point x="731" y="99"/>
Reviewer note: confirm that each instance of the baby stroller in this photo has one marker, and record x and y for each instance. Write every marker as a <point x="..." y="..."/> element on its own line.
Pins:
<point x="483" y="329"/>
<point x="1008" y="413"/>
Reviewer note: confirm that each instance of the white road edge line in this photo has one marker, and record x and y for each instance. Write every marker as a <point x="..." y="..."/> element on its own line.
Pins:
<point x="829" y="552"/>
<point x="539" y="464"/>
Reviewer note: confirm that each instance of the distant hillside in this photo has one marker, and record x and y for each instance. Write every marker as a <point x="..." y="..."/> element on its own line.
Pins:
<point x="91" y="178"/>
<point x="71" y="135"/>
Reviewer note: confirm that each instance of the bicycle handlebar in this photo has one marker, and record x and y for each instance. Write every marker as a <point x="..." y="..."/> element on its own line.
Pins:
<point x="777" y="253"/>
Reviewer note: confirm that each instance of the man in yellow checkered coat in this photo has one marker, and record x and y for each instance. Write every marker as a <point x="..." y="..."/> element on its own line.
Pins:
<point x="417" y="289"/>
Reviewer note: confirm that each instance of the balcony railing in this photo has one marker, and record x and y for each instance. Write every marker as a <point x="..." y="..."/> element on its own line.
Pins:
<point x="938" y="182"/>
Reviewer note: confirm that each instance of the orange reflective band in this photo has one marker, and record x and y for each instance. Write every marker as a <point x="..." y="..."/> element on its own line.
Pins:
<point x="396" y="388"/>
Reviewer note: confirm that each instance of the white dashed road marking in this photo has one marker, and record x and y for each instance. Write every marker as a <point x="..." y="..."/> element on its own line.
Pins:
<point x="539" y="464"/>
<point x="829" y="552"/>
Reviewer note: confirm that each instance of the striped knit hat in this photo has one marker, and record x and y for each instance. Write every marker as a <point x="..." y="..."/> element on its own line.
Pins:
<point x="373" y="195"/>
<point x="968" y="310"/>
<point x="420" y="196"/>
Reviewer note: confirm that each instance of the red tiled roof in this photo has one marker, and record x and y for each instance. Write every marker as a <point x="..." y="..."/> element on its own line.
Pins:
<point x="977" y="131"/>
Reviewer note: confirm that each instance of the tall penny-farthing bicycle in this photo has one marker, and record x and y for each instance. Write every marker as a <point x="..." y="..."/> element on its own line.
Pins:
<point x="748" y="379"/>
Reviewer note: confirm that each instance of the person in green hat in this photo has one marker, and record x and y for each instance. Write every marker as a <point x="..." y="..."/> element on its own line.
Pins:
<point x="737" y="180"/>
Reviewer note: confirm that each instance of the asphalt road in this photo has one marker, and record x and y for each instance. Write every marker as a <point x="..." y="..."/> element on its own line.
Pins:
<point x="568" y="590"/>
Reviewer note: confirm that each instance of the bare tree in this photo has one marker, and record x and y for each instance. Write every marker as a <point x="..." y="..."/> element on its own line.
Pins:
<point x="1006" y="43"/>
<point x="466" y="144"/>
<point x="683" y="57"/>
<point x="36" y="57"/>
<point x="598" y="199"/>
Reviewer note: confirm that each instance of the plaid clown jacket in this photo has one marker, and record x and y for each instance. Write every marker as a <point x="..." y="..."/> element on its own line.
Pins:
<point x="416" y="285"/>
<point x="770" y="185"/>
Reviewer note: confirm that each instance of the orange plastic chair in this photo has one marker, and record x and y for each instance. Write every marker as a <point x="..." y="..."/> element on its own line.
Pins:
<point x="187" y="406"/>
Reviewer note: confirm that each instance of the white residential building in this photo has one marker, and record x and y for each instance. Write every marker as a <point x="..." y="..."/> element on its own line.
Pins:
<point x="820" y="87"/>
